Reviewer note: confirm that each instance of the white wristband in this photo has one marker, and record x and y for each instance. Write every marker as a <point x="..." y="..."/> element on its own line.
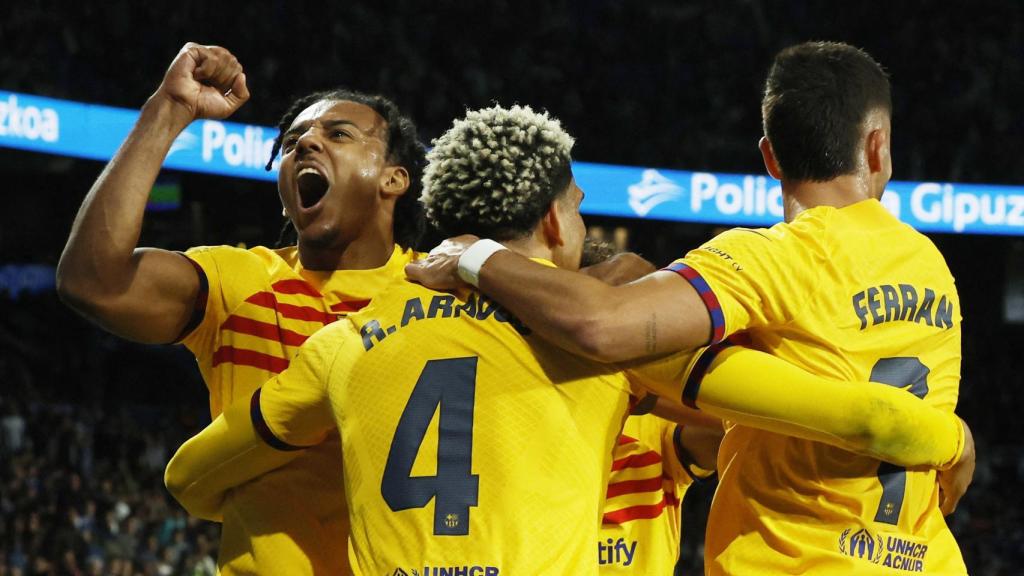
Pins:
<point x="474" y="257"/>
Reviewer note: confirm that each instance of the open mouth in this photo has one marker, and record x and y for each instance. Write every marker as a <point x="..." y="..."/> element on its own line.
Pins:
<point x="312" y="187"/>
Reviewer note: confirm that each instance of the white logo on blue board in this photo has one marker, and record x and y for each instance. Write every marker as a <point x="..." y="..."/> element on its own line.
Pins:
<point x="185" y="141"/>
<point x="652" y="189"/>
<point x="28" y="122"/>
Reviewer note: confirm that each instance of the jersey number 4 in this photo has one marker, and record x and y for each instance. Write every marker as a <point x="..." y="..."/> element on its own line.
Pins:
<point x="450" y="384"/>
<point x="903" y="372"/>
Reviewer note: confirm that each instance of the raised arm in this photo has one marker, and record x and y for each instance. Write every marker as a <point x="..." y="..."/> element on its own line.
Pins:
<point x="145" y="294"/>
<point x="658" y="313"/>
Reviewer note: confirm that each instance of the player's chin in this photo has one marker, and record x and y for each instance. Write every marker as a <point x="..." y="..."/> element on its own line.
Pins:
<point x="320" y="234"/>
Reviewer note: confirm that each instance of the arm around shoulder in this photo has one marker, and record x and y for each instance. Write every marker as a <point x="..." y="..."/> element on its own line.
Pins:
<point x="761" y="391"/>
<point x="227" y="453"/>
<point x="656" y="314"/>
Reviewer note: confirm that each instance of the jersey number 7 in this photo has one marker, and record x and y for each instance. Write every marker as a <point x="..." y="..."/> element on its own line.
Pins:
<point x="902" y="372"/>
<point x="450" y="384"/>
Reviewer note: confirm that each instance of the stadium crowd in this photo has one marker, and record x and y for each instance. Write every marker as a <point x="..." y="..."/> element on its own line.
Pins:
<point x="82" y="495"/>
<point x="81" y="488"/>
<point x="672" y="83"/>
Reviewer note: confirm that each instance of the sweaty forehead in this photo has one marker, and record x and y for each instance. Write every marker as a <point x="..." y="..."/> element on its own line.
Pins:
<point x="364" y="118"/>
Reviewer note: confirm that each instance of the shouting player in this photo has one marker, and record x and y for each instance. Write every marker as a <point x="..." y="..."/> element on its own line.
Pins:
<point x="470" y="445"/>
<point x="840" y="288"/>
<point x="349" y="182"/>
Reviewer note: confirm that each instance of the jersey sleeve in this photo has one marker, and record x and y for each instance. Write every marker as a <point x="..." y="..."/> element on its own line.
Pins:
<point x="759" y="390"/>
<point x="749" y="278"/>
<point x="293" y="410"/>
<point x="227" y="275"/>
<point x="227" y="453"/>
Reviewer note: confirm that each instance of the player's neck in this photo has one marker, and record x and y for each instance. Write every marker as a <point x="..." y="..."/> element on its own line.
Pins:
<point x="838" y="192"/>
<point x="530" y="247"/>
<point x="363" y="253"/>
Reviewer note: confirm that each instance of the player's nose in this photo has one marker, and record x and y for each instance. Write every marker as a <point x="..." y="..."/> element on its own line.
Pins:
<point x="309" y="141"/>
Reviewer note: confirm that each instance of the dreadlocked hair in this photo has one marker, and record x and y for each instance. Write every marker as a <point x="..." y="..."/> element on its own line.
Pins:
<point x="495" y="172"/>
<point x="403" y="149"/>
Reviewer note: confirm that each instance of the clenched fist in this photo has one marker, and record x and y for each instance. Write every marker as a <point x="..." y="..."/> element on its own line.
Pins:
<point x="204" y="82"/>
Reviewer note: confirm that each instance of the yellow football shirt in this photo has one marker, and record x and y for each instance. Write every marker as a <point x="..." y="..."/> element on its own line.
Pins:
<point x="469" y="446"/>
<point x="854" y="294"/>
<point x="640" y="528"/>
<point x="258" y="307"/>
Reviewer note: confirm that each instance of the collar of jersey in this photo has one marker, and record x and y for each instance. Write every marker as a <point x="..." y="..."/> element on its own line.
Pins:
<point x="870" y="211"/>
<point x="323" y="277"/>
<point x="865" y="207"/>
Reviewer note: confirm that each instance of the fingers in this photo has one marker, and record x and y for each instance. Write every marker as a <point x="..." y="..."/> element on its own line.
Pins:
<point x="436" y="272"/>
<point x="239" y="91"/>
<point x="439" y="270"/>
<point x="448" y="248"/>
<point x="954" y="483"/>
<point x="192" y="51"/>
<point x="414" y="272"/>
<point x="947" y="502"/>
<point x="620" y="269"/>
<point x="216" y="67"/>
<point x="423" y="271"/>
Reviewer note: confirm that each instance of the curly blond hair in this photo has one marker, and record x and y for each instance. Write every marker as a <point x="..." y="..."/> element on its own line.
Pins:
<point x="495" y="172"/>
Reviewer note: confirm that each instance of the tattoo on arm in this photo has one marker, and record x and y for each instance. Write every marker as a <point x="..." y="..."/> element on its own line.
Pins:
<point x="652" y="334"/>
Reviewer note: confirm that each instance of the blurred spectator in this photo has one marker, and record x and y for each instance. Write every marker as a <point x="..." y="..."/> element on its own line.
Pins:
<point x="69" y="510"/>
<point x="13" y="425"/>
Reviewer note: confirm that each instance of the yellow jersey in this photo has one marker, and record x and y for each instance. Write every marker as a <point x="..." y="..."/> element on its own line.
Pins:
<point x="640" y="528"/>
<point x="470" y="447"/>
<point x="256" y="307"/>
<point x="854" y="294"/>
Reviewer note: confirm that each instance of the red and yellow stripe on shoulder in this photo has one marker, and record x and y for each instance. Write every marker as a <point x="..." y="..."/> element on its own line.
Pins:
<point x="263" y="331"/>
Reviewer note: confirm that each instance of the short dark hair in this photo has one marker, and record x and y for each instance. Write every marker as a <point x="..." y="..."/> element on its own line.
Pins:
<point x="816" y="99"/>
<point x="403" y="149"/>
<point x="495" y="172"/>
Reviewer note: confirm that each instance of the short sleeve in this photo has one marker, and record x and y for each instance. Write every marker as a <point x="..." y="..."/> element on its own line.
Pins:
<point x="293" y="409"/>
<point x="211" y="306"/>
<point x="748" y="278"/>
<point x="227" y="276"/>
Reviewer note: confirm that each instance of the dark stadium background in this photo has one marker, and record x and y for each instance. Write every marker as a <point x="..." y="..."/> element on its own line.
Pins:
<point x="665" y="83"/>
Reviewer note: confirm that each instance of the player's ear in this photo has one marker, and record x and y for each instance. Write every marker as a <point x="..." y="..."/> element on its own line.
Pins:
<point x="394" y="181"/>
<point x="877" y="148"/>
<point x="551" y="226"/>
<point x="768" y="154"/>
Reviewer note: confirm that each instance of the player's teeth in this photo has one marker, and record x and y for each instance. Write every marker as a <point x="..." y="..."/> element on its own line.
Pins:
<point x="308" y="171"/>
